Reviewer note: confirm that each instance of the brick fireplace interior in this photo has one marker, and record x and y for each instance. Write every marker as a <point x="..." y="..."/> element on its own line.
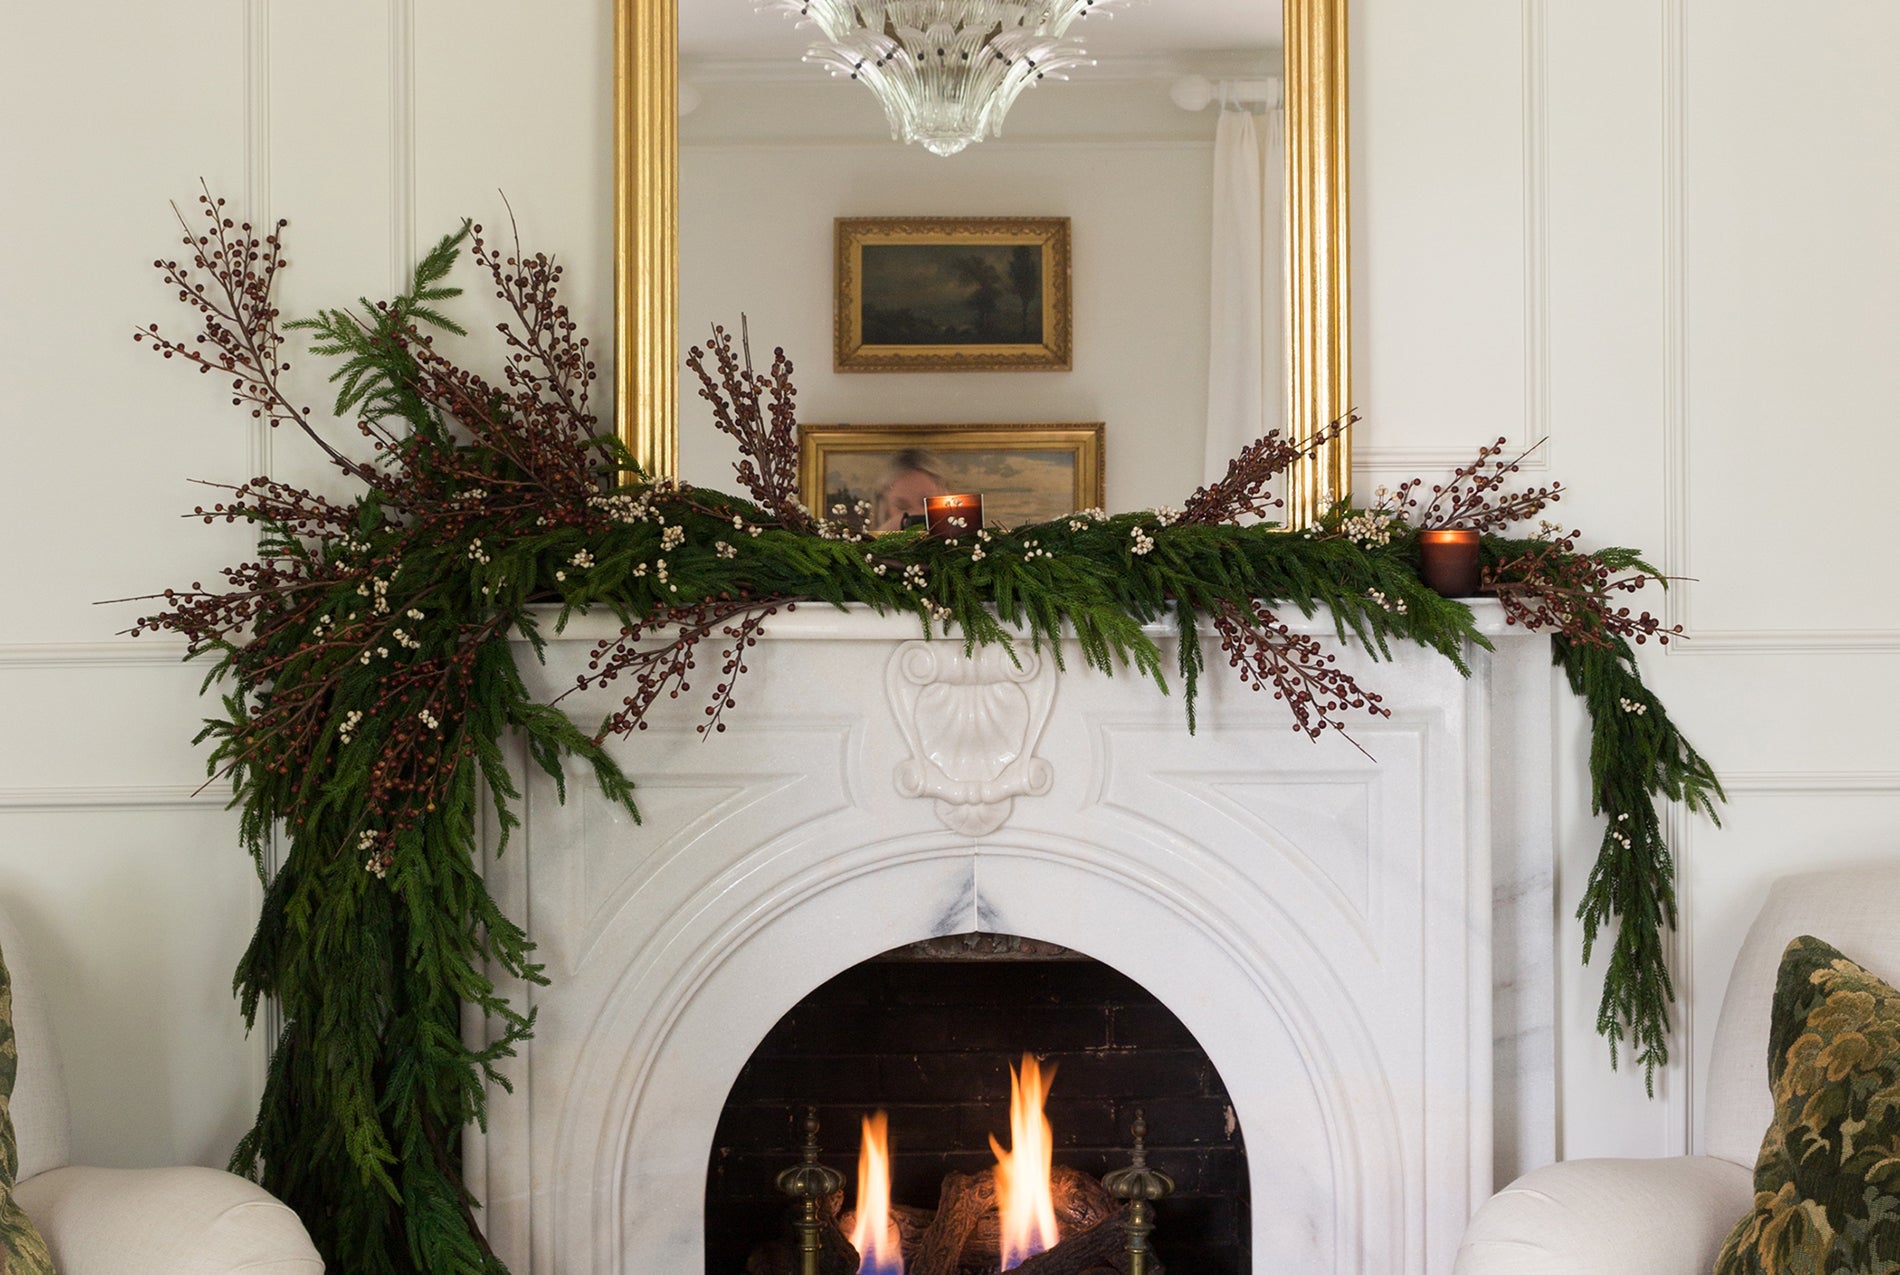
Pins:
<point x="928" y="1033"/>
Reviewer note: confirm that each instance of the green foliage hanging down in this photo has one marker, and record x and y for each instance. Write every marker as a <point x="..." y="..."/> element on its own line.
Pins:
<point x="369" y="676"/>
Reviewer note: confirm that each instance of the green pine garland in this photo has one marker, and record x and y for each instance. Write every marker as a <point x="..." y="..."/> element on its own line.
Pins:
<point x="371" y="684"/>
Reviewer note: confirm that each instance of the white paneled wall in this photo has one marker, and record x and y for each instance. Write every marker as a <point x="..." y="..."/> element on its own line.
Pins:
<point x="372" y="125"/>
<point x="1657" y="230"/>
<point x="1660" y="231"/>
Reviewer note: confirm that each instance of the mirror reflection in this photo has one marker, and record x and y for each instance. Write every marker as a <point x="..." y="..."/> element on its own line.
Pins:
<point x="1164" y="157"/>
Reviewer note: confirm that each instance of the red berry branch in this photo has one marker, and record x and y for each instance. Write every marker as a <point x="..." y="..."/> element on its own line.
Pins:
<point x="1551" y="587"/>
<point x="1301" y="672"/>
<point x="1242" y="491"/>
<point x="1475" y="496"/>
<point x="660" y="654"/>
<point x="759" y="412"/>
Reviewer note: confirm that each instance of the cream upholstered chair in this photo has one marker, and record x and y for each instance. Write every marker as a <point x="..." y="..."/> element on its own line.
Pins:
<point x="180" y="1221"/>
<point x="1670" y="1216"/>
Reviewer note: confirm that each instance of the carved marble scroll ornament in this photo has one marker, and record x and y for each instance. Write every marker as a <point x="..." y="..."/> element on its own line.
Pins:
<point x="972" y="723"/>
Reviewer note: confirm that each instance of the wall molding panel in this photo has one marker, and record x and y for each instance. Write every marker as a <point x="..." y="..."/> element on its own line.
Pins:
<point x="1534" y="76"/>
<point x="1675" y="282"/>
<point x="1768" y="641"/>
<point x="116" y="798"/>
<point x="130" y="653"/>
<point x="402" y="142"/>
<point x="1678" y="431"/>
<point x="257" y="173"/>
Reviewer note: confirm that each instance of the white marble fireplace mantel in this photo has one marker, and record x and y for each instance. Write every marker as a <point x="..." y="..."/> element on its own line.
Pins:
<point x="1331" y="926"/>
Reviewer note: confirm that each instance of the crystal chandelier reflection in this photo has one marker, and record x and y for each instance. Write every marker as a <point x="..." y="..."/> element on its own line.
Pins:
<point x="946" y="71"/>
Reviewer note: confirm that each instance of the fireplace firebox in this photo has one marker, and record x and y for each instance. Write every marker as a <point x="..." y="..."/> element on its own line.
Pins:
<point x="928" y="1034"/>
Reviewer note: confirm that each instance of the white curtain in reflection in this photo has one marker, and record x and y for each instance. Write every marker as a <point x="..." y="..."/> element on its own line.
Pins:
<point x="1246" y="375"/>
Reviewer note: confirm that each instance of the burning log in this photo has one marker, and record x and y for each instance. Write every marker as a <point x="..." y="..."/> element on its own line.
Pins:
<point x="964" y="1234"/>
<point x="961" y="1205"/>
<point x="911" y="1223"/>
<point x="1100" y="1250"/>
<point x="1080" y="1202"/>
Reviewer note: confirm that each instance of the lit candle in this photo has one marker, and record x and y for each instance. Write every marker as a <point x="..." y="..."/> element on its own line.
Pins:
<point x="1448" y="561"/>
<point x="952" y="516"/>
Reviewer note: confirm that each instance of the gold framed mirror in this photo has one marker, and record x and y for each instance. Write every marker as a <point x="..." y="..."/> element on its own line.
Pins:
<point x="1318" y="274"/>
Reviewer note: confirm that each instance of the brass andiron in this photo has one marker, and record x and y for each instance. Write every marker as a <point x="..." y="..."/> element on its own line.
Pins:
<point x="1140" y="1186"/>
<point x="809" y="1182"/>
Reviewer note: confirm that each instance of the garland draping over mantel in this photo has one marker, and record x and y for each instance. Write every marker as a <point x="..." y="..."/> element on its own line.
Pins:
<point x="369" y="679"/>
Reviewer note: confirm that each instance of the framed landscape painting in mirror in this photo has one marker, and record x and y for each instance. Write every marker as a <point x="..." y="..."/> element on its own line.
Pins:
<point x="953" y="294"/>
<point x="871" y="476"/>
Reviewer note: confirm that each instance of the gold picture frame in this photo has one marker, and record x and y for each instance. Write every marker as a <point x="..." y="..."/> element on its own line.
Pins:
<point x="1025" y="472"/>
<point x="953" y="294"/>
<point x="1317" y="241"/>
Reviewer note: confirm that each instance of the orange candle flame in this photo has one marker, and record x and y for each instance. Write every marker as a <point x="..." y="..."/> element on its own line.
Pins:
<point x="875" y="1234"/>
<point x="1022" y="1173"/>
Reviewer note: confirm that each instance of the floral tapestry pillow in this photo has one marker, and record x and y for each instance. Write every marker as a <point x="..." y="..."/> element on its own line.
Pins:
<point x="1827" y="1185"/>
<point x="22" y="1251"/>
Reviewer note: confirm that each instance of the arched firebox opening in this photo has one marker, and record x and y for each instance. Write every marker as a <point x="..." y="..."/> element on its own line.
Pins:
<point x="929" y="1034"/>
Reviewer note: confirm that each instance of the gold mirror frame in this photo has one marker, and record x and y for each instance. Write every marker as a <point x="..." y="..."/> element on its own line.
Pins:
<point x="1318" y="275"/>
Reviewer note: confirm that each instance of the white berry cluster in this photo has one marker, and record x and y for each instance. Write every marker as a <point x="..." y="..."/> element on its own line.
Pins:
<point x="1033" y="549"/>
<point x="1395" y="607"/>
<point x="1370" y="528"/>
<point x="405" y="641"/>
<point x="1632" y="706"/>
<point x="346" y="729"/>
<point x="1166" y="515"/>
<point x="475" y="552"/>
<point x="673" y="537"/>
<point x="724" y="550"/>
<point x="1083" y="517"/>
<point x="624" y="506"/>
<point x="1143" y="542"/>
<point x="379" y="861"/>
<point x="429" y="719"/>
<point x="381" y="587"/>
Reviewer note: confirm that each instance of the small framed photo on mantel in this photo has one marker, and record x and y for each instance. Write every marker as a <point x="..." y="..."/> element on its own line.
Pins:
<point x="874" y="476"/>
<point x="953" y="294"/>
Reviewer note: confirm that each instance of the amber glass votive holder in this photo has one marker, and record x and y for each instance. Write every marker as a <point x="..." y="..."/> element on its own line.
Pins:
<point x="953" y="516"/>
<point x="1448" y="561"/>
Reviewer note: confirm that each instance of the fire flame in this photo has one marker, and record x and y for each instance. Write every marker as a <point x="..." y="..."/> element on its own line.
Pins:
<point x="1022" y="1173"/>
<point x="875" y="1235"/>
